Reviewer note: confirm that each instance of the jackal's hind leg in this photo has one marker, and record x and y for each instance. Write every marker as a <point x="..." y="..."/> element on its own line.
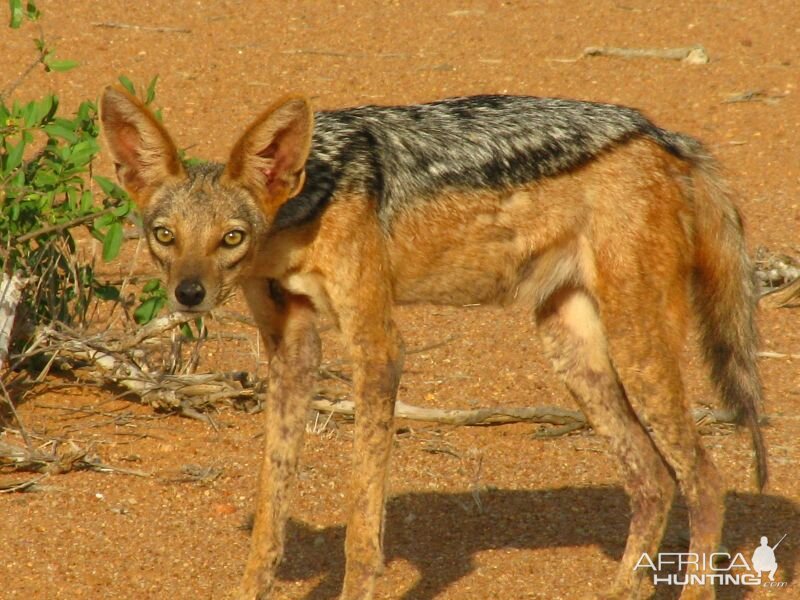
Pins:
<point x="573" y="336"/>
<point x="647" y="362"/>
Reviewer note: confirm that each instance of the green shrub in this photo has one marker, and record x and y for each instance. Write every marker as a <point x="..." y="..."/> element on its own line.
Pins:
<point x="47" y="190"/>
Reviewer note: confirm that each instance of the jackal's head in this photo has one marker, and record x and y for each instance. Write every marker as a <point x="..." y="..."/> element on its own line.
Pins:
<point x="204" y="224"/>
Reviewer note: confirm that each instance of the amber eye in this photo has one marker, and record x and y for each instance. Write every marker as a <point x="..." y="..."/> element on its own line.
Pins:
<point x="163" y="236"/>
<point x="233" y="238"/>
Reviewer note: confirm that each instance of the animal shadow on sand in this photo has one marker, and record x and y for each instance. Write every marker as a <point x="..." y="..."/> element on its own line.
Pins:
<point x="441" y="533"/>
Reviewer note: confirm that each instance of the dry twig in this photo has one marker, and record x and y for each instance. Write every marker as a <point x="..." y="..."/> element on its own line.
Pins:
<point x="54" y="461"/>
<point x="693" y="55"/>
<point x="11" y="287"/>
<point x="115" y="25"/>
<point x="114" y="361"/>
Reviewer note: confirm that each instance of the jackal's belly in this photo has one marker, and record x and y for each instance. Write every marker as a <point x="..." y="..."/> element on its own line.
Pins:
<point x="485" y="249"/>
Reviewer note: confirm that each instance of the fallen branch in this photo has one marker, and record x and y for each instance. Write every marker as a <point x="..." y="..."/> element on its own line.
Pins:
<point x="567" y="420"/>
<point x="478" y="416"/>
<point x="779" y="275"/>
<point x="114" y="363"/>
<point x="23" y="486"/>
<point x="767" y="354"/>
<point x="10" y="295"/>
<point x="153" y="329"/>
<point x="53" y="462"/>
<point x="785" y="296"/>
<point x="693" y="55"/>
<point x="114" y="25"/>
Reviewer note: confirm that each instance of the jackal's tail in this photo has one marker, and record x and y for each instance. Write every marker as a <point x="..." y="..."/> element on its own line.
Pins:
<point x="725" y="299"/>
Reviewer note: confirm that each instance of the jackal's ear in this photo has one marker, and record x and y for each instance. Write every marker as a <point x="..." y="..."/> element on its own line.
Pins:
<point x="144" y="154"/>
<point x="270" y="156"/>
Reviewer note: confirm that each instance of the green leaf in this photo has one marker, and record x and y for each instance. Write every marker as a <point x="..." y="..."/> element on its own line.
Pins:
<point x="86" y="201"/>
<point x="42" y="108"/>
<point x="187" y="331"/>
<point x="85" y="110"/>
<point x="148" y="309"/>
<point x="45" y="179"/>
<point x="51" y="101"/>
<point x="83" y="152"/>
<point x="106" y="292"/>
<point x="29" y="114"/>
<point x="14" y="157"/>
<point x="31" y="11"/>
<point x="72" y="198"/>
<point x="123" y="209"/>
<point x="59" y="65"/>
<point x="15" y="6"/>
<point x="102" y="222"/>
<point x="151" y="286"/>
<point x="59" y="130"/>
<point x="127" y="84"/>
<point x="110" y="189"/>
<point x="150" y="95"/>
<point x="112" y="243"/>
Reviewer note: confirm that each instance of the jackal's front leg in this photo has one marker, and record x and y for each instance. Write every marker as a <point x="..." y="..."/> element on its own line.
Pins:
<point x="287" y="324"/>
<point x="377" y="359"/>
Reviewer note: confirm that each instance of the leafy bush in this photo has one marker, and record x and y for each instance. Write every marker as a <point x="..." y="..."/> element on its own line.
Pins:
<point x="47" y="190"/>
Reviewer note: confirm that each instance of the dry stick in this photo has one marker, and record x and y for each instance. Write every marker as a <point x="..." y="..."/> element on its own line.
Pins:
<point x="36" y="460"/>
<point x="10" y="295"/>
<point x="571" y="420"/>
<point x="153" y="329"/>
<point x="177" y="392"/>
<point x="478" y="416"/>
<point x="768" y="354"/>
<point x="187" y="393"/>
<point x="8" y="90"/>
<point x="122" y="372"/>
<point x="23" y="486"/>
<point x="786" y="295"/>
<point x="693" y="54"/>
<point x="22" y="431"/>
<point x="114" y="25"/>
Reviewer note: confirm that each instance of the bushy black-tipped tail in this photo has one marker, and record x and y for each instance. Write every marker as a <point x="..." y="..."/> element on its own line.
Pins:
<point x="725" y="300"/>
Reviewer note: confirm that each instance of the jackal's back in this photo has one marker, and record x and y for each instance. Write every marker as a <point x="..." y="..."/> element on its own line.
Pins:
<point x="400" y="155"/>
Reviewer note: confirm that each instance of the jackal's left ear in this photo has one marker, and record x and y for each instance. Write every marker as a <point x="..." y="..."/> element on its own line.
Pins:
<point x="269" y="158"/>
<point x="144" y="154"/>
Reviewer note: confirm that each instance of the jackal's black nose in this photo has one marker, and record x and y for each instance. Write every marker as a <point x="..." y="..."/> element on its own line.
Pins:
<point x="190" y="292"/>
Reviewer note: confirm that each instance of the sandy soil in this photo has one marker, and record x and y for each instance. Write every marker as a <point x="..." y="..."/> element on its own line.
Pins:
<point x="474" y="512"/>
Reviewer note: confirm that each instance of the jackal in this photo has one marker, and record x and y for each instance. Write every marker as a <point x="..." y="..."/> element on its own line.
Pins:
<point x="613" y="231"/>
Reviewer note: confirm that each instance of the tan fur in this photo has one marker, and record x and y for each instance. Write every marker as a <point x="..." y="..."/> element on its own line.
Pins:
<point x="604" y="256"/>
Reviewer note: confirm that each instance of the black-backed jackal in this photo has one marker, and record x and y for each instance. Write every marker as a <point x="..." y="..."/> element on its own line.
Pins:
<point x="613" y="231"/>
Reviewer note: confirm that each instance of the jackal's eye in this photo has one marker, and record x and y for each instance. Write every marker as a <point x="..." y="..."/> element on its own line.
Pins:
<point x="163" y="236"/>
<point x="233" y="238"/>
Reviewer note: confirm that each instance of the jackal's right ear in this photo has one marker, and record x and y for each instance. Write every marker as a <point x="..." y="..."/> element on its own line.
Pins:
<point x="270" y="157"/>
<point x="144" y="154"/>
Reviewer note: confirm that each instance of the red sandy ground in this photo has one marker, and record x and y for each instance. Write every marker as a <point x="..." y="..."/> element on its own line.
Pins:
<point x="552" y="517"/>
